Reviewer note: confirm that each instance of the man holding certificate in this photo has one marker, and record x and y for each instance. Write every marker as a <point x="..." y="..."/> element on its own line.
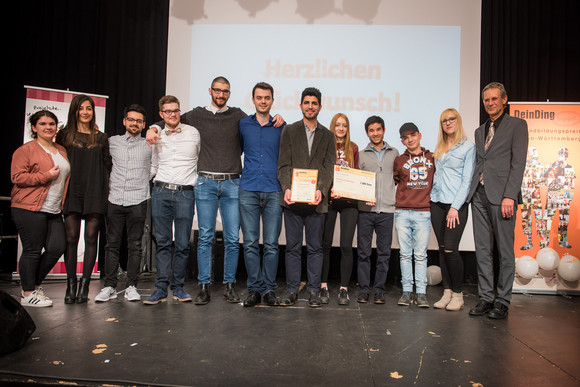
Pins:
<point x="305" y="171"/>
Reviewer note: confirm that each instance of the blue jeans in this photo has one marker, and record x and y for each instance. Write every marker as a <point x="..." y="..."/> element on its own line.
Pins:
<point x="211" y="195"/>
<point x="413" y="231"/>
<point x="253" y="205"/>
<point x="169" y="208"/>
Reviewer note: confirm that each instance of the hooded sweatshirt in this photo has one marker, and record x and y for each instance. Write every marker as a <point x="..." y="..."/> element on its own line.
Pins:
<point x="413" y="175"/>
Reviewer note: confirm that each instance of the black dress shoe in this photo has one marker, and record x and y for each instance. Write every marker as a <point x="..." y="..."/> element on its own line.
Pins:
<point x="230" y="293"/>
<point x="324" y="295"/>
<point x="482" y="308"/>
<point x="203" y="296"/>
<point x="363" y="298"/>
<point x="379" y="298"/>
<point x="83" y="294"/>
<point x="71" y="291"/>
<point x="314" y="300"/>
<point x="289" y="299"/>
<point x="253" y="298"/>
<point x="499" y="311"/>
<point x="271" y="299"/>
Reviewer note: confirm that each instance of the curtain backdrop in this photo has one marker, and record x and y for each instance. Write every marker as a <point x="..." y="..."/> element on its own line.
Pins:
<point x="119" y="48"/>
<point x="533" y="48"/>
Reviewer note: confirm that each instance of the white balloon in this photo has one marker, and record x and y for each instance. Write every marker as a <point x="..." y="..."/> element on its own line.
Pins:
<point x="526" y="267"/>
<point x="433" y="275"/>
<point x="569" y="268"/>
<point x="548" y="258"/>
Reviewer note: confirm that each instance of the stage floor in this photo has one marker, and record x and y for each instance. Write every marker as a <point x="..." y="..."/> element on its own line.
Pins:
<point x="219" y="344"/>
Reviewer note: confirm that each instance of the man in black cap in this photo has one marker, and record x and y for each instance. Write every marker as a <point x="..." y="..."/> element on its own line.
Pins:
<point x="413" y="173"/>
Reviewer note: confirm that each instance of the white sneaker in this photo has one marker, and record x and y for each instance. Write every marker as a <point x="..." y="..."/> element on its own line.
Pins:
<point x="131" y="294"/>
<point x="40" y="293"/>
<point x="35" y="299"/>
<point x="106" y="294"/>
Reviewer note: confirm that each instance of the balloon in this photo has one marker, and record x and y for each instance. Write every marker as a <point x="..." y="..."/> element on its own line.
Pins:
<point x="526" y="267"/>
<point x="547" y="258"/>
<point x="569" y="268"/>
<point x="433" y="275"/>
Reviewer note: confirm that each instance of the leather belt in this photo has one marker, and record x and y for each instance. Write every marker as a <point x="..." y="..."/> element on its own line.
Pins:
<point x="173" y="187"/>
<point x="220" y="176"/>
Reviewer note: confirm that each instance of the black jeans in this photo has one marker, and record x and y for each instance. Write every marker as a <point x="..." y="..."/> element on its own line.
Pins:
<point x="348" y="219"/>
<point x="37" y="231"/>
<point x="119" y="217"/>
<point x="448" y="240"/>
<point x="380" y="223"/>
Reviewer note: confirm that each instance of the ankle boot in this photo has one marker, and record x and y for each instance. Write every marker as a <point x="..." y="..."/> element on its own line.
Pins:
<point x="446" y="299"/>
<point x="203" y="296"/>
<point x="71" y="290"/>
<point x="456" y="302"/>
<point x="83" y="294"/>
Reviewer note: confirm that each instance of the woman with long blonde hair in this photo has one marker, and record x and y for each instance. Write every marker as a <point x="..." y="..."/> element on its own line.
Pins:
<point x="346" y="156"/>
<point x="454" y="164"/>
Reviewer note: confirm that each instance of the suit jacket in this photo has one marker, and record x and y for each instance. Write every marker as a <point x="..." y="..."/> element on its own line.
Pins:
<point x="294" y="154"/>
<point x="504" y="161"/>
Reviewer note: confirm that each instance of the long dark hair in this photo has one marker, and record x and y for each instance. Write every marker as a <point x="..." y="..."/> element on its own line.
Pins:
<point x="69" y="135"/>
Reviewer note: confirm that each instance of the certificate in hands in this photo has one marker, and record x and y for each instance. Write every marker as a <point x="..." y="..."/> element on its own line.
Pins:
<point x="354" y="184"/>
<point x="303" y="188"/>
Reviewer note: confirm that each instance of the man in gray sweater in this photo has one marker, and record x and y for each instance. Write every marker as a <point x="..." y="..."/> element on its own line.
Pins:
<point x="377" y="157"/>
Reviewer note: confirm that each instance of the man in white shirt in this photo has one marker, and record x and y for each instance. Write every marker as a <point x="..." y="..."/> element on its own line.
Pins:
<point x="127" y="207"/>
<point x="174" y="165"/>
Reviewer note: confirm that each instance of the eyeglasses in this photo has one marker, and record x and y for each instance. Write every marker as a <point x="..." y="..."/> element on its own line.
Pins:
<point x="220" y="91"/>
<point x="449" y="120"/>
<point x="170" y="112"/>
<point x="132" y="120"/>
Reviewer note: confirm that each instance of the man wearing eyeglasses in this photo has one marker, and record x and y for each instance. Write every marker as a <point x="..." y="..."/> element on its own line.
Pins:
<point x="174" y="165"/>
<point x="501" y="145"/>
<point x="127" y="207"/>
<point x="220" y="168"/>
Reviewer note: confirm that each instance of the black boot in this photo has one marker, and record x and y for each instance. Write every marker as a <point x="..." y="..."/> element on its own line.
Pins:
<point x="71" y="290"/>
<point x="83" y="294"/>
<point x="230" y="293"/>
<point x="203" y="296"/>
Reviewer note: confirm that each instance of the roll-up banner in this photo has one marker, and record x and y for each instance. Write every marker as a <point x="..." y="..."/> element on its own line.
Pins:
<point x="547" y="234"/>
<point x="58" y="102"/>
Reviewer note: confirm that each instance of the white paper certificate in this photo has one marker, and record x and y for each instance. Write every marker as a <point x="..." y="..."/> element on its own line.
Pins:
<point x="304" y="185"/>
<point x="354" y="183"/>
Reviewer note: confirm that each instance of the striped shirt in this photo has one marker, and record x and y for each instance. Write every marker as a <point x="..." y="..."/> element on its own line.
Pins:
<point x="129" y="181"/>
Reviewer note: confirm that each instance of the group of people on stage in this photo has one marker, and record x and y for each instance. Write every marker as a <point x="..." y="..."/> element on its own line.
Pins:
<point x="194" y="163"/>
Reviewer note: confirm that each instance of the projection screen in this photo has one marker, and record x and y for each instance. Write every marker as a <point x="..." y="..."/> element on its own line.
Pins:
<point x="404" y="61"/>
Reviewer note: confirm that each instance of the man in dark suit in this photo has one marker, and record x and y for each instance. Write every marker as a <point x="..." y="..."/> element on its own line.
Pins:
<point x="501" y="145"/>
<point x="305" y="144"/>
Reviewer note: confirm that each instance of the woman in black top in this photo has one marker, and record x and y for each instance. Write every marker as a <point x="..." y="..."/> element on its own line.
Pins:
<point x="88" y="152"/>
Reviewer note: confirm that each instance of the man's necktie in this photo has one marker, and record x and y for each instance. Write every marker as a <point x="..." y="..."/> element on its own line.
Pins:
<point x="488" y="139"/>
<point x="490" y="134"/>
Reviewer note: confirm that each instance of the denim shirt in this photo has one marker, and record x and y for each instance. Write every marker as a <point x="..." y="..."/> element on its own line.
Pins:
<point x="453" y="173"/>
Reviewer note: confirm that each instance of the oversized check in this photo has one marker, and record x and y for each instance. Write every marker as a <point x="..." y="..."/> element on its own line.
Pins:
<point x="303" y="188"/>
<point x="354" y="183"/>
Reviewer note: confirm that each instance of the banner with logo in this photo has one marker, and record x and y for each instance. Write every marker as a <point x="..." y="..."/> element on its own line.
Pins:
<point x="58" y="102"/>
<point x="547" y="235"/>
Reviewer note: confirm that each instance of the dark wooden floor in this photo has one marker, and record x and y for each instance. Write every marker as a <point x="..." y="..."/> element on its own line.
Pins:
<point x="123" y="343"/>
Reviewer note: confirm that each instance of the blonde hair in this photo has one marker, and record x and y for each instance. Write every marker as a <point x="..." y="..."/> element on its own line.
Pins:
<point x="443" y="138"/>
<point x="347" y="146"/>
